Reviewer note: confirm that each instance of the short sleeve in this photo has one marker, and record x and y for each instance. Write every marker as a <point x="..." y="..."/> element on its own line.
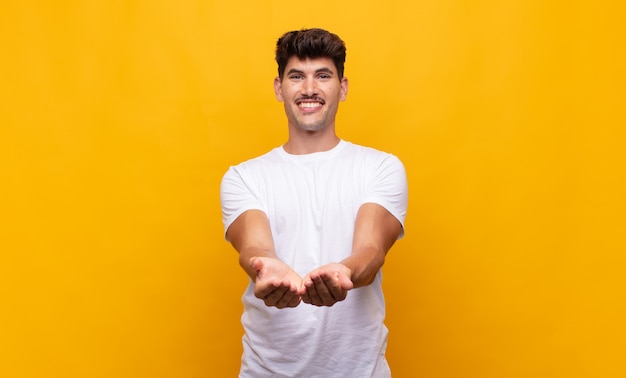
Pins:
<point x="236" y="197"/>
<point x="389" y="188"/>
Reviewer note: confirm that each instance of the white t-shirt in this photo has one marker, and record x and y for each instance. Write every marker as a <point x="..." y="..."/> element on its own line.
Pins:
<point x="311" y="202"/>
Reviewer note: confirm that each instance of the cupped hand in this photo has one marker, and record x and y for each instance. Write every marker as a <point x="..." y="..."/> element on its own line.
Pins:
<point x="276" y="283"/>
<point x="327" y="285"/>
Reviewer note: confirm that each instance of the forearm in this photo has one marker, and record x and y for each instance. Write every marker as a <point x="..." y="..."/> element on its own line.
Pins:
<point x="364" y="265"/>
<point x="250" y="235"/>
<point x="375" y="231"/>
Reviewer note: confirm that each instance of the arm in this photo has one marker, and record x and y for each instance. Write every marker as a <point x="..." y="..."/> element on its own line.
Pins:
<point x="375" y="232"/>
<point x="274" y="281"/>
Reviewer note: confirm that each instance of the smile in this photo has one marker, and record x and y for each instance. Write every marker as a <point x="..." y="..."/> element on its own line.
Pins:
<point x="310" y="105"/>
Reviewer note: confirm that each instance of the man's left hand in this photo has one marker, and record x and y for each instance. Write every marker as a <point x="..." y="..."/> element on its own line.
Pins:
<point x="327" y="285"/>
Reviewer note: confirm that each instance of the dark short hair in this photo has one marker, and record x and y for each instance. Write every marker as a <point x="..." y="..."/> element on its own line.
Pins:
<point x="310" y="43"/>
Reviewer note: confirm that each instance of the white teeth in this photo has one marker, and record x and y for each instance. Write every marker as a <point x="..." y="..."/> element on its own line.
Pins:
<point x="310" y="104"/>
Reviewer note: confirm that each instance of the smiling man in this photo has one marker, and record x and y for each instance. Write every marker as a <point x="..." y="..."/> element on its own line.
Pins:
<point x="313" y="221"/>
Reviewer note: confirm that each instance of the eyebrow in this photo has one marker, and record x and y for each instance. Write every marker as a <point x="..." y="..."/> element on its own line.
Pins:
<point x="320" y="70"/>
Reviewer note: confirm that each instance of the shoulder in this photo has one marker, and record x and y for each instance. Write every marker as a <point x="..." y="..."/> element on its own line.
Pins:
<point x="365" y="150"/>
<point x="371" y="155"/>
<point x="254" y="164"/>
<point x="267" y="158"/>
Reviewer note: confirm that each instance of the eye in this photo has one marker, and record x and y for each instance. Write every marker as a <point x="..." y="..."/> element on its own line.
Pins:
<point x="295" y="77"/>
<point x="324" y="76"/>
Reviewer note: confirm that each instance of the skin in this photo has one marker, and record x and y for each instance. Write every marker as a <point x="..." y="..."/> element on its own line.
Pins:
<point x="311" y="91"/>
<point x="274" y="281"/>
<point x="311" y="81"/>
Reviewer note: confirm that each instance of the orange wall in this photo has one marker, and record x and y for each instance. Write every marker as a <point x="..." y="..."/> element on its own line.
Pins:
<point x="118" y="119"/>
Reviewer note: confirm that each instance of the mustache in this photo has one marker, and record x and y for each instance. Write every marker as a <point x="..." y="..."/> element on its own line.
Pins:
<point x="310" y="98"/>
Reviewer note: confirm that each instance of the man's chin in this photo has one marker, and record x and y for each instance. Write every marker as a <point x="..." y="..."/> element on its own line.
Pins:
<point x="310" y="126"/>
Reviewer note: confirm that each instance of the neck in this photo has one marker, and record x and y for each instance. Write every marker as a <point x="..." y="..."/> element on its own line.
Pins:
<point x="307" y="142"/>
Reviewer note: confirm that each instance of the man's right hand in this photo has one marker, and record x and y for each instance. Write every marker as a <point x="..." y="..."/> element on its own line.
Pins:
<point x="276" y="283"/>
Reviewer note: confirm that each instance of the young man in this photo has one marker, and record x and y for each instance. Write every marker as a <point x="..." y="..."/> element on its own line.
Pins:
<point x="312" y="221"/>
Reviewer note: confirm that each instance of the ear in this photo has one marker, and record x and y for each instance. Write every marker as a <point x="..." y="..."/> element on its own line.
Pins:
<point x="344" y="89"/>
<point x="278" y="86"/>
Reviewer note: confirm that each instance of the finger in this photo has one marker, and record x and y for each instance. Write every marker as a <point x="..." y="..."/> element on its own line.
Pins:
<point x="285" y="295"/>
<point x="289" y="299"/>
<point x="295" y="302"/>
<point x="272" y="290"/>
<point x="313" y="295"/>
<point x="323" y="290"/>
<point x="335" y="290"/>
<point x="304" y="290"/>
<point x="264" y="288"/>
<point x="275" y="296"/>
<point x="345" y="282"/>
<point x="291" y="296"/>
<point x="256" y="263"/>
<point x="329" y="290"/>
<point x="306" y="298"/>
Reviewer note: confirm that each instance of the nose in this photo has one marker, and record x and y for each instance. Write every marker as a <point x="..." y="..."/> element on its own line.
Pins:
<point x="309" y="86"/>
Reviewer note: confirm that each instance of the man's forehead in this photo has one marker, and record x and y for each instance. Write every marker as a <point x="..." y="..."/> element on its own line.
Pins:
<point x="314" y="64"/>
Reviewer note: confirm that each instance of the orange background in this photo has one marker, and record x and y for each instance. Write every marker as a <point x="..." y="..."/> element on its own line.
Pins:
<point x="118" y="119"/>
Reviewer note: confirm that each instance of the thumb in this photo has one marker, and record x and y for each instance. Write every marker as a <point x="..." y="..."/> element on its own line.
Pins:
<point x="345" y="282"/>
<point x="256" y="263"/>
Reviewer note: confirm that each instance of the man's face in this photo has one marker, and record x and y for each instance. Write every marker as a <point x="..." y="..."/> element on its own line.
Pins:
<point x="311" y="91"/>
